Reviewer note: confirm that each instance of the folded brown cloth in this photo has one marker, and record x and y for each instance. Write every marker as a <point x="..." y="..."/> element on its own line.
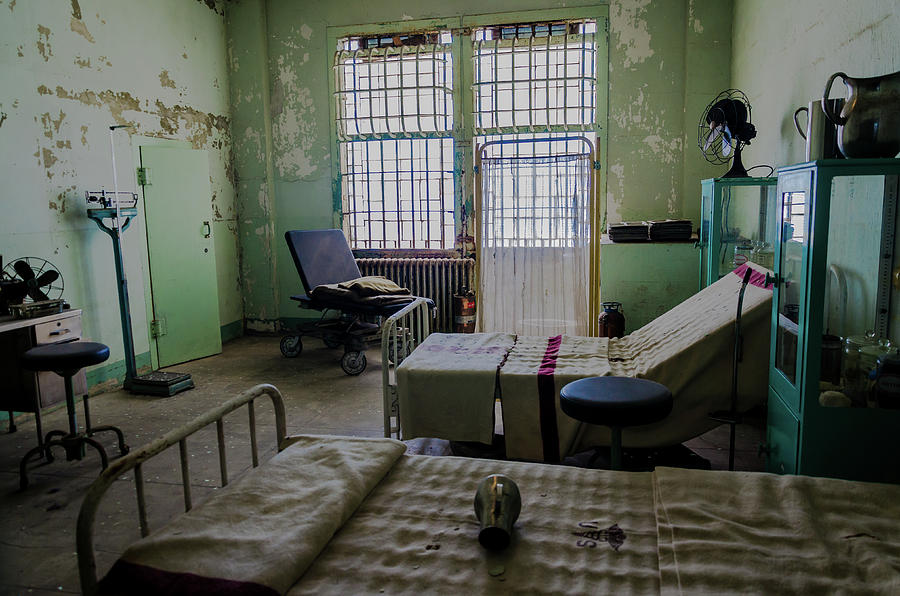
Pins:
<point x="337" y="296"/>
<point x="373" y="285"/>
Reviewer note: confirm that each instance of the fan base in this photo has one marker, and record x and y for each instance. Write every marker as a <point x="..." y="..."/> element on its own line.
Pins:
<point x="161" y="383"/>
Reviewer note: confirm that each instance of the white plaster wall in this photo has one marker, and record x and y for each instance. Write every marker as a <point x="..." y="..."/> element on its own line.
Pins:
<point x="69" y="70"/>
<point x="784" y="52"/>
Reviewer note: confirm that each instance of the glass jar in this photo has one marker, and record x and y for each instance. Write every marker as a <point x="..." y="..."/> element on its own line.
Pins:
<point x="860" y="363"/>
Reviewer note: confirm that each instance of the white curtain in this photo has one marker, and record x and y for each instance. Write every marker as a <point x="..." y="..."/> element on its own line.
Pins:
<point x="534" y="253"/>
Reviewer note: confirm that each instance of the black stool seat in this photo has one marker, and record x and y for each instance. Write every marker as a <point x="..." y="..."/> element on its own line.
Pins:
<point x="616" y="401"/>
<point x="72" y="356"/>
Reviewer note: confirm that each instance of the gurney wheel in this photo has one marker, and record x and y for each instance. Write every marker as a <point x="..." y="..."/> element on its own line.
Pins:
<point x="291" y="346"/>
<point x="353" y="363"/>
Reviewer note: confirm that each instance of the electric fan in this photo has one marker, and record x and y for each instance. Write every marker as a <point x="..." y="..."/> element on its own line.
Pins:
<point x="31" y="279"/>
<point x="724" y="129"/>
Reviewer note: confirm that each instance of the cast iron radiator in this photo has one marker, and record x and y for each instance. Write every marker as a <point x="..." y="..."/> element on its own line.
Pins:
<point x="436" y="278"/>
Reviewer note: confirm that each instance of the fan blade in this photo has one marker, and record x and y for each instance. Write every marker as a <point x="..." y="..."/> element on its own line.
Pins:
<point x="24" y="270"/>
<point x="47" y="277"/>
<point x="726" y="142"/>
<point x="713" y="134"/>
<point x="37" y="295"/>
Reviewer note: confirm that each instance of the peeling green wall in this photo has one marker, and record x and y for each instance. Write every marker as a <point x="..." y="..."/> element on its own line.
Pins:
<point x="69" y="70"/>
<point x="667" y="59"/>
<point x="784" y="53"/>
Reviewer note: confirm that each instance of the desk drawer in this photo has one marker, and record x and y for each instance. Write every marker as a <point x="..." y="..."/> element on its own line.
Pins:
<point x="54" y="332"/>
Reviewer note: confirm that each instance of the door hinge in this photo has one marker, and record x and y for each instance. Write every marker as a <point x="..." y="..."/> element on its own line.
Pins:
<point x="157" y="327"/>
<point x="143" y="176"/>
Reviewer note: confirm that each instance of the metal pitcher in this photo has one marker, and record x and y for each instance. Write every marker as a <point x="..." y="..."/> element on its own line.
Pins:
<point x="869" y="123"/>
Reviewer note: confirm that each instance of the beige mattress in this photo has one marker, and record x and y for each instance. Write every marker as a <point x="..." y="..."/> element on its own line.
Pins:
<point x="369" y="526"/>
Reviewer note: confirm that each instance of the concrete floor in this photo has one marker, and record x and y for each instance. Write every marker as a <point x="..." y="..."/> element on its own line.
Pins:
<point x="37" y="548"/>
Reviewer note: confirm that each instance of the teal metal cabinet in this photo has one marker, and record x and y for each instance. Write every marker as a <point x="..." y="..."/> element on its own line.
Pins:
<point x="737" y="223"/>
<point x="836" y="264"/>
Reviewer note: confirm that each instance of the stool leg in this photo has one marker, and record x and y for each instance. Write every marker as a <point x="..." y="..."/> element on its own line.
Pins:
<point x="87" y="415"/>
<point x="37" y="421"/>
<point x="104" y="461"/>
<point x="73" y="421"/>
<point x="12" y="421"/>
<point x="615" y="448"/>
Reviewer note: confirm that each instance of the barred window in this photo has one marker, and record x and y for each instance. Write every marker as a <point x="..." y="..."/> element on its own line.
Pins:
<point x="535" y="76"/>
<point x="394" y="117"/>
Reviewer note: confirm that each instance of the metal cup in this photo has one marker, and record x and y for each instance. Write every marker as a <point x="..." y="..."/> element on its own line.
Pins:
<point x="497" y="507"/>
<point x="820" y="134"/>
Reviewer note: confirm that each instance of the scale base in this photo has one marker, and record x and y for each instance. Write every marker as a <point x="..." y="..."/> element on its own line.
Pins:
<point x="160" y="383"/>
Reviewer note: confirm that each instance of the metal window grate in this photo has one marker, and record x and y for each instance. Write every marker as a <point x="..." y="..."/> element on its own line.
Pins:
<point x="394" y="91"/>
<point x="398" y="193"/>
<point x="536" y="192"/>
<point x="531" y="78"/>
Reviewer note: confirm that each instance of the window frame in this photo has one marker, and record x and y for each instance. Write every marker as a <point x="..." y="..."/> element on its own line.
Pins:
<point x="463" y="128"/>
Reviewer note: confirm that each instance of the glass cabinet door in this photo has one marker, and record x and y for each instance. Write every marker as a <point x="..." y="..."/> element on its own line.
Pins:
<point x="790" y="292"/>
<point x="705" y="238"/>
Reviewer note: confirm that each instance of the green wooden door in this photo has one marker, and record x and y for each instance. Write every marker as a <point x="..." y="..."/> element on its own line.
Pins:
<point x="182" y="260"/>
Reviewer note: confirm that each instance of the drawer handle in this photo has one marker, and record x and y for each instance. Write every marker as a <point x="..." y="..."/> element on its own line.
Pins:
<point x="60" y="332"/>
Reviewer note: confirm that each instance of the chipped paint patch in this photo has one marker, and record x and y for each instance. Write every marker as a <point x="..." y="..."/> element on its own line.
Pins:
<point x="306" y="31"/>
<point x="2" y="118"/>
<point x="665" y="150"/>
<point x="19" y="52"/>
<point x="84" y="130"/>
<point x="630" y="27"/>
<point x="78" y="26"/>
<point x="694" y="21"/>
<point x="201" y="125"/>
<point x="12" y="5"/>
<point x="76" y="10"/>
<point x="48" y="160"/>
<point x="43" y="43"/>
<point x="82" y="62"/>
<point x="165" y="80"/>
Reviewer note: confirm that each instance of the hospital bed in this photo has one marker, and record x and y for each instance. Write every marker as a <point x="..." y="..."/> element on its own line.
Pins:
<point x="447" y="387"/>
<point x="358" y="516"/>
<point x="328" y="273"/>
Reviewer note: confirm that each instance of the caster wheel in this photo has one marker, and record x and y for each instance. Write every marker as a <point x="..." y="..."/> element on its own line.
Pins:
<point x="353" y="363"/>
<point x="332" y="342"/>
<point x="291" y="346"/>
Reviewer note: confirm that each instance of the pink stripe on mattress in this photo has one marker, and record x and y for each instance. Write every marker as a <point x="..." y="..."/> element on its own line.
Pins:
<point x="547" y="400"/>
<point x="757" y="278"/>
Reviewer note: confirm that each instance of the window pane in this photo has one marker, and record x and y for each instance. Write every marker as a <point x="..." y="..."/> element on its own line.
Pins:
<point x="400" y="195"/>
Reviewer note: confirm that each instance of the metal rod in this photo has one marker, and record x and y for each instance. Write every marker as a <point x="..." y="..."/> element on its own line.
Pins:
<point x="185" y="474"/>
<point x="223" y="466"/>
<point x="254" y="449"/>
<point x="141" y="501"/>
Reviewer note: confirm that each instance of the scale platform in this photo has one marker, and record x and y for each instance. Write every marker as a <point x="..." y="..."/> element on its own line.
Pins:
<point x="160" y="383"/>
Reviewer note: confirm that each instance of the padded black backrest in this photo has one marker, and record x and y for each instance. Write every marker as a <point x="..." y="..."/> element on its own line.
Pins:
<point x="321" y="257"/>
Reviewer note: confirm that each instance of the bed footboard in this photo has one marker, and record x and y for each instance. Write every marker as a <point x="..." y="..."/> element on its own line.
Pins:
<point x="400" y="334"/>
<point x="87" y="566"/>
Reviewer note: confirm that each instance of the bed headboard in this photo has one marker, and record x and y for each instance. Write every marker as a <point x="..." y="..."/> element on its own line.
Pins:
<point x="84" y="535"/>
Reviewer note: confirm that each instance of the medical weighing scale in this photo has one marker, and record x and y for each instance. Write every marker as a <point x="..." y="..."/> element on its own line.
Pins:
<point x="119" y="208"/>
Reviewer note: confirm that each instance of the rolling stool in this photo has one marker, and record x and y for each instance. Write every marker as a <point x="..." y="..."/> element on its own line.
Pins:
<point x="615" y="402"/>
<point x="66" y="360"/>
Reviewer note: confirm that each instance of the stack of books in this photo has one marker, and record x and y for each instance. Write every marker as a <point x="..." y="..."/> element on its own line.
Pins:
<point x="670" y="230"/>
<point x="628" y="231"/>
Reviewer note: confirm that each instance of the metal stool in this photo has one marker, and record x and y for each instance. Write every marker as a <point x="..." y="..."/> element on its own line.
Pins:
<point x="616" y="402"/>
<point x="66" y="360"/>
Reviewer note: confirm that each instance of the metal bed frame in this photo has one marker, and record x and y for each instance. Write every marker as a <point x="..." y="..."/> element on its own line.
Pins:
<point x="87" y="565"/>
<point x="400" y="334"/>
